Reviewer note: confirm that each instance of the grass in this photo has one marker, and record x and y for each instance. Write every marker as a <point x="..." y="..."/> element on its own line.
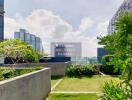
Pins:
<point x="84" y="84"/>
<point x="79" y="84"/>
<point x="55" y="79"/>
<point x="73" y="97"/>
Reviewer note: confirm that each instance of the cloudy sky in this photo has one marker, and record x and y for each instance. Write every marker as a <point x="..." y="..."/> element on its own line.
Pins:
<point x="61" y="20"/>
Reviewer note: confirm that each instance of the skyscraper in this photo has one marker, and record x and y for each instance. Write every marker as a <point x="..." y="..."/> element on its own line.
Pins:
<point x="126" y="6"/>
<point x="1" y="20"/>
<point x="31" y="39"/>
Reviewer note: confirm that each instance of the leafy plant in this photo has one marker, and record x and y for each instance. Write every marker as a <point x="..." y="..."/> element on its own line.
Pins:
<point x="127" y="76"/>
<point x="80" y="70"/>
<point x="113" y="91"/>
<point x="9" y="73"/>
<point x="108" y="66"/>
<point x="119" y="44"/>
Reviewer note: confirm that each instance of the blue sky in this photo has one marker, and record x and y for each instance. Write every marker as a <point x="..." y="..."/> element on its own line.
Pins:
<point x="84" y="20"/>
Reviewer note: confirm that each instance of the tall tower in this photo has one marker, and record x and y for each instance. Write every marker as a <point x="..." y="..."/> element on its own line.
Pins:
<point x="1" y="20"/>
<point x="126" y="6"/>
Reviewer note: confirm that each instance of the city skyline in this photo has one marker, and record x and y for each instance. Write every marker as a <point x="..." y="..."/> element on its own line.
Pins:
<point x="61" y="21"/>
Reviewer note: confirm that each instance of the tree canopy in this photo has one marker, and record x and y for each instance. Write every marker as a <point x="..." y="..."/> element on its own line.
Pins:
<point x="16" y="49"/>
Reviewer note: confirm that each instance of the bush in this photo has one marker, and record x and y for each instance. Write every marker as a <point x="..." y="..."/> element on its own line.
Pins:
<point x="80" y="70"/>
<point x="113" y="91"/>
<point x="110" y="70"/>
<point x="108" y="66"/>
<point x="10" y="73"/>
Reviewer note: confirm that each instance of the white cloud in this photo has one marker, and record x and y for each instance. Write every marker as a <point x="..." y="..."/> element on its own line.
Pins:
<point x="11" y="26"/>
<point x="102" y="28"/>
<point x="86" y="23"/>
<point x="52" y="28"/>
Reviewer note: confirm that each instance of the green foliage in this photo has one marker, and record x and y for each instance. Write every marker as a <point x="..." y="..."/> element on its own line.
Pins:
<point x="80" y="70"/>
<point x="114" y="91"/>
<point x="127" y="73"/>
<point x="127" y="76"/>
<point x="106" y="60"/>
<point x="13" y="48"/>
<point x="120" y="46"/>
<point x="38" y="68"/>
<point x="73" y="97"/>
<point x="120" y="42"/>
<point x="108" y="66"/>
<point x="16" y="49"/>
<point x="33" y="56"/>
<point x="10" y="73"/>
<point x="4" y="74"/>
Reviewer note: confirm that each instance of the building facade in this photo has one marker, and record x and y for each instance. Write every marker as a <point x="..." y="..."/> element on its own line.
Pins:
<point x="100" y="53"/>
<point x="126" y="6"/>
<point x="31" y="39"/>
<point x="61" y="49"/>
<point x="1" y="20"/>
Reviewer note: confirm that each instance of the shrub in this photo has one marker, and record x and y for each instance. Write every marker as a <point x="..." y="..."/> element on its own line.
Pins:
<point x="108" y="66"/>
<point x="80" y="70"/>
<point x="113" y="91"/>
<point x="9" y="73"/>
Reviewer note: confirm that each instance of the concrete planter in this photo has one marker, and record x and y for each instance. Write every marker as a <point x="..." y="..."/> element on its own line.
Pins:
<point x="32" y="86"/>
<point x="58" y="68"/>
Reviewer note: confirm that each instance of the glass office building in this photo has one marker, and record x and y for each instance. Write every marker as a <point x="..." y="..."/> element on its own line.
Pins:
<point x="28" y="38"/>
<point x="22" y="34"/>
<point x="38" y="43"/>
<point x="1" y="20"/>
<point x="33" y="42"/>
<point x="31" y="39"/>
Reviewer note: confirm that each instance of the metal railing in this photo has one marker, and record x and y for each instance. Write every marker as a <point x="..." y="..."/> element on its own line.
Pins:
<point x="83" y="60"/>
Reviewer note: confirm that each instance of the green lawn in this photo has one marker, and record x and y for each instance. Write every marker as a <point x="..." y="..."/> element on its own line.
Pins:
<point x="73" y="97"/>
<point x="84" y="84"/>
<point x="80" y="84"/>
<point x="55" y="79"/>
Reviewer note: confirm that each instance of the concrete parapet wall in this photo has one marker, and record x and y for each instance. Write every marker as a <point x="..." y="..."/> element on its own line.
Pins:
<point x="32" y="86"/>
<point x="58" y="68"/>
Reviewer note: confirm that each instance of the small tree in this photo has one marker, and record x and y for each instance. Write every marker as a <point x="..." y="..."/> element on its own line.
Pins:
<point x="16" y="49"/>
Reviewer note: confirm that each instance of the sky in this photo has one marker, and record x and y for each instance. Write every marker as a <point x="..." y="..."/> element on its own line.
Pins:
<point x="61" y="20"/>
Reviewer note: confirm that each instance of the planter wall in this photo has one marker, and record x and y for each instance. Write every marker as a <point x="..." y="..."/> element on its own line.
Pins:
<point x="57" y="68"/>
<point x="32" y="86"/>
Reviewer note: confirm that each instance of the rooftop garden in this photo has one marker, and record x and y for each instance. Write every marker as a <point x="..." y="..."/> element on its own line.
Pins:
<point x="82" y="82"/>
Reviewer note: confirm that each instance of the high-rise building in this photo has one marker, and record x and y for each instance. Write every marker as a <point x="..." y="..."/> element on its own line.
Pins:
<point x="31" y="39"/>
<point x="126" y="6"/>
<point x="61" y="49"/>
<point x="1" y="20"/>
